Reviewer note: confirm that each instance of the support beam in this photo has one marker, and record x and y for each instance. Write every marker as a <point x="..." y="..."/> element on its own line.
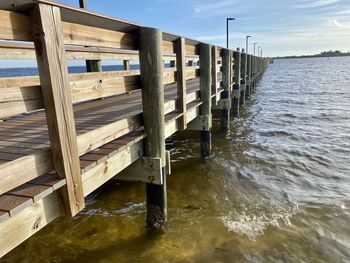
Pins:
<point x="244" y="77"/>
<point x="55" y="88"/>
<point x="226" y="79"/>
<point x="249" y="76"/>
<point x="214" y="74"/>
<point x="151" y="66"/>
<point x="180" y="48"/>
<point x="237" y="80"/>
<point x="205" y="94"/>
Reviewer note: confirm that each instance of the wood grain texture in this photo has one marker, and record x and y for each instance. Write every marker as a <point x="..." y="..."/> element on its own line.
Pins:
<point x="205" y="78"/>
<point x="214" y="73"/>
<point x="48" y="41"/>
<point x="27" y="222"/>
<point x="181" y="80"/>
<point x="15" y="26"/>
<point x="75" y="34"/>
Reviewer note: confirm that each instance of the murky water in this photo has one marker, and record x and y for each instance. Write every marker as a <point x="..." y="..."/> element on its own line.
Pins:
<point x="277" y="188"/>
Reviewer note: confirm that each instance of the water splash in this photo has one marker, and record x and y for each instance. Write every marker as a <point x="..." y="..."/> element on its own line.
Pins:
<point x="256" y="214"/>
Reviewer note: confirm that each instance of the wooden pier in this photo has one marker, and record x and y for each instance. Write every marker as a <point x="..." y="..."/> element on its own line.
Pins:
<point x="64" y="135"/>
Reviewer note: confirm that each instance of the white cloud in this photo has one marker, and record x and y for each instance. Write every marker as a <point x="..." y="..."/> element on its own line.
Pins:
<point x="315" y="3"/>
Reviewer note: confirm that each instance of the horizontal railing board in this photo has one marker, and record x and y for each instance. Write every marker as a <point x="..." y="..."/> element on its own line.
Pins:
<point x="25" y="50"/>
<point x="20" y="95"/>
<point x="23" y="94"/>
<point x="76" y="34"/>
<point x="15" y="26"/>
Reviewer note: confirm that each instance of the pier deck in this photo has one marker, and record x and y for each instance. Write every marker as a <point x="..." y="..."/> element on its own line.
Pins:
<point x="64" y="135"/>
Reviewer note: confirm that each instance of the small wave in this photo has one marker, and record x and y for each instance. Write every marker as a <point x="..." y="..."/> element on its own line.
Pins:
<point x="253" y="219"/>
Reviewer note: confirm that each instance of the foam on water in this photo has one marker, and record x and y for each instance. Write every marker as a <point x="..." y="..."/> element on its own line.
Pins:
<point x="256" y="214"/>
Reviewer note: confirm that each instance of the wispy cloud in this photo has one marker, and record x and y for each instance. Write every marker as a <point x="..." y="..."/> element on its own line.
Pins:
<point x="315" y="3"/>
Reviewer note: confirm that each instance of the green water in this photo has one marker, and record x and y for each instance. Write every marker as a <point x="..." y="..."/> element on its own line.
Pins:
<point x="276" y="189"/>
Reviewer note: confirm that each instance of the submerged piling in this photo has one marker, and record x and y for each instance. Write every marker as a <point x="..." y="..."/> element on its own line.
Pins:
<point x="225" y="95"/>
<point x="205" y="94"/>
<point x="237" y="80"/>
<point x="151" y="66"/>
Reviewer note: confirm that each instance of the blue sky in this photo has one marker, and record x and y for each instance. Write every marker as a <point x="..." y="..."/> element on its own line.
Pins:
<point x="281" y="27"/>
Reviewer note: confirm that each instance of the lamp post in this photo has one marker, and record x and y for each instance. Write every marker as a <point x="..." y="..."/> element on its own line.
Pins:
<point x="227" y="34"/>
<point x="254" y="47"/>
<point x="246" y="43"/>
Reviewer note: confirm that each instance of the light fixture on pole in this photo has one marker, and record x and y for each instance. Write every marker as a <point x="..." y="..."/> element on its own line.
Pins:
<point x="227" y="33"/>
<point x="246" y="43"/>
<point x="254" y="47"/>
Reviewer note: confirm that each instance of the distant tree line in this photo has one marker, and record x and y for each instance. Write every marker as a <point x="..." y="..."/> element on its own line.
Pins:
<point x="330" y="53"/>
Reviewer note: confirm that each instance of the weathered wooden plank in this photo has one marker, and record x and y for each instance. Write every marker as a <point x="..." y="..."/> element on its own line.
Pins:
<point x="48" y="41"/>
<point x="4" y="215"/>
<point x="36" y="192"/>
<point x="103" y="172"/>
<point x="88" y="89"/>
<point x="14" y="204"/>
<point x="50" y="179"/>
<point x="75" y="34"/>
<point x="24" y="169"/>
<point x="191" y="50"/>
<point x="27" y="222"/>
<point x="95" y="138"/>
<point x="168" y="47"/>
<point x="15" y="26"/>
<point x="181" y="80"/>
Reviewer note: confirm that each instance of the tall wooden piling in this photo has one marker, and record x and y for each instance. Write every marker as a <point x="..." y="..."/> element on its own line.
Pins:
<point x="236" y="94"/>
<point x="248" y="79"/>
<point x="180" y="47"/>
<point x="244" y="77"/>
<point x="151" y="66"/>
<point x="225" y="95"/>
<point x="205" y="94"/>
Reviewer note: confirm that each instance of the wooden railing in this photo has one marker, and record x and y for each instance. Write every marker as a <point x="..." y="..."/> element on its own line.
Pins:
<point x="51" y="34"/>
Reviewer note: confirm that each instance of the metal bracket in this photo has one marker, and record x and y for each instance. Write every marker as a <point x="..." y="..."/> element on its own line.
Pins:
<point x="201" y="123"/>
<point x="223" y="104"/>
<point x="145" y="169"/>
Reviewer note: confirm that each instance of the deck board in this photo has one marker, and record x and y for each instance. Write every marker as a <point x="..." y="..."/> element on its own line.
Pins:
<point x="28" y="134"/>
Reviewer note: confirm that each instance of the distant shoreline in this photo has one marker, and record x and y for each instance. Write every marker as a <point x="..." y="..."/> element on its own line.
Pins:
<point x="291" y="57"/>
<point x="325" y="54"/>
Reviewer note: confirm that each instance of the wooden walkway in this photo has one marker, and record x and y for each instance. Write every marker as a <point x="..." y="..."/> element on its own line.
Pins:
<point x="64" y="135"/>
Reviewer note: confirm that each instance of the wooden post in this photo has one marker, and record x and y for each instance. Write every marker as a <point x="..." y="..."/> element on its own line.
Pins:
<point x="237" y="79"/>
<point x="205" y="93"/>
<point x="226" y="79"/>
<point x="180" y="48"/>
<point x="244" y="77"/>
<point x="214" y="74"/>
<point x="151" y="66"/>
<point x="249" y="76"/>
<point x="91" y="65"/>
<point x="126" y="65"/>
<point x="56" y="92"/>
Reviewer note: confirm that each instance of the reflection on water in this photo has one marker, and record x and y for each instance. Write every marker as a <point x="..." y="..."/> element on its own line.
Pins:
<point x="277" y="188"/>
